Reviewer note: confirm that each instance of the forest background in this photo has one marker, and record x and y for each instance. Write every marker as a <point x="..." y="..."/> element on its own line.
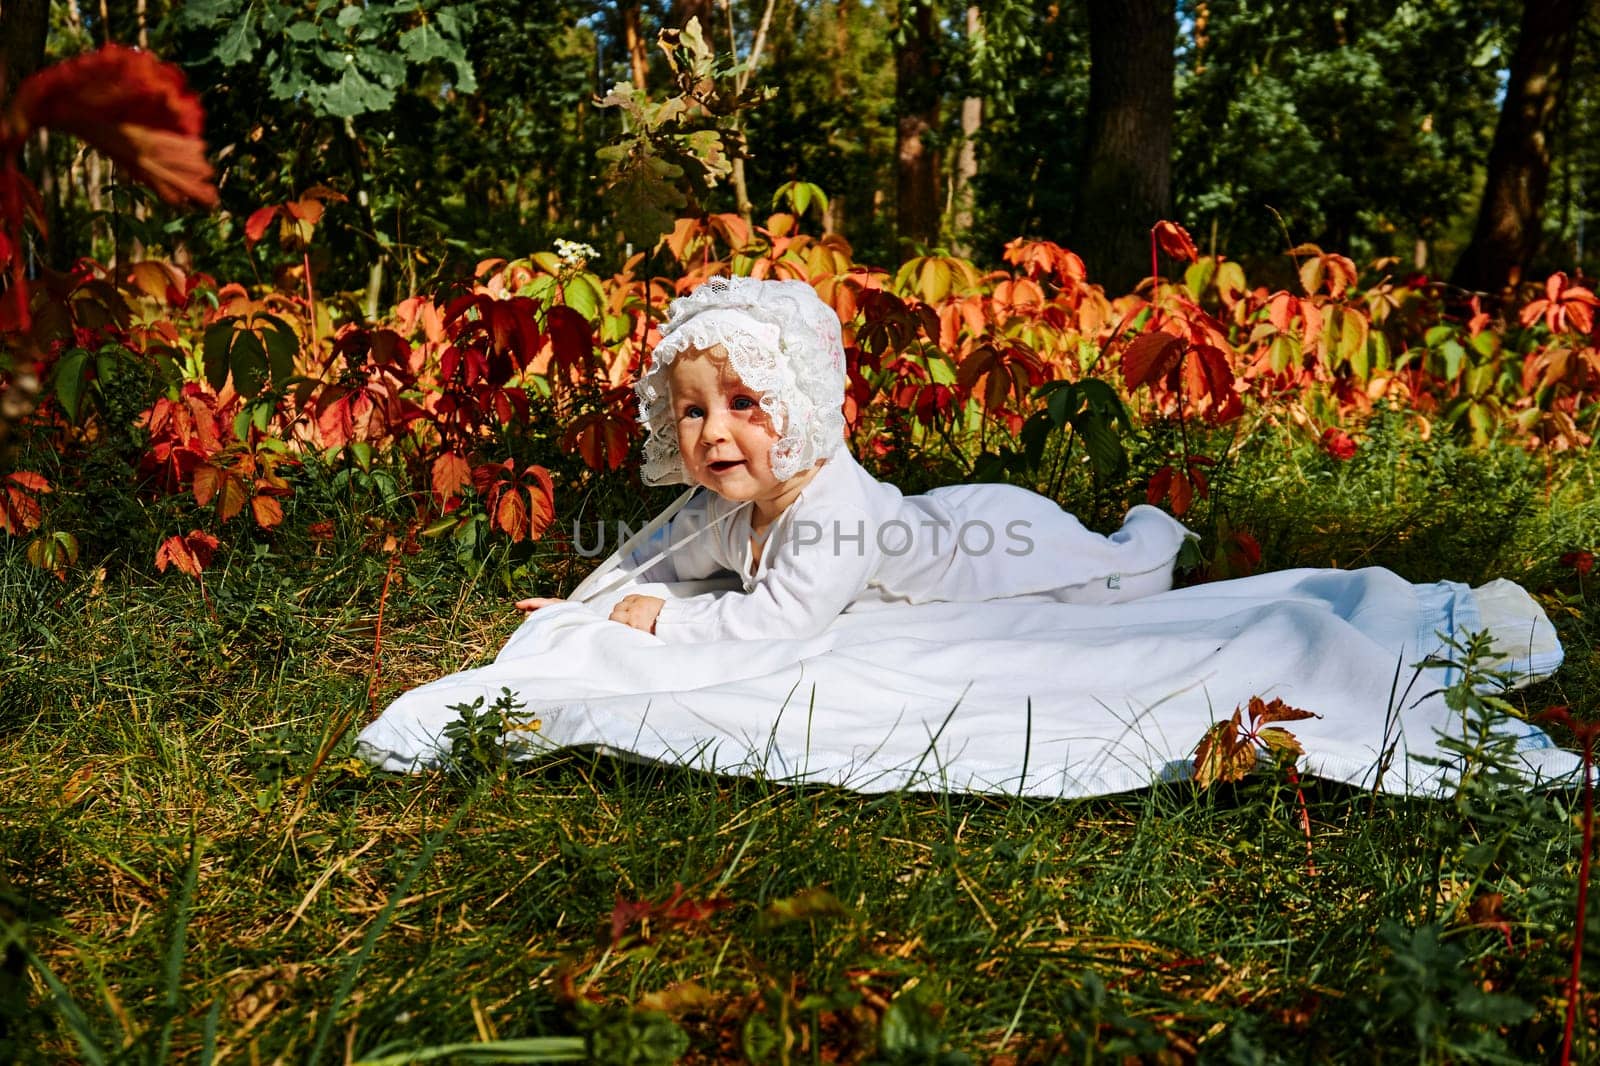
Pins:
<point x="467" y="130"/>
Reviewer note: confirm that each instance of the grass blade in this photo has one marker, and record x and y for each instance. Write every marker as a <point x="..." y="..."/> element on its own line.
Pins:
<point x="528" y="1049"/>
<point x="347" y="981"/>
<point x="175" y="949"/>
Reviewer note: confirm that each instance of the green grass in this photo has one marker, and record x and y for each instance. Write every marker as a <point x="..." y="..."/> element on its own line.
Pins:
<point x="174" y="886"/>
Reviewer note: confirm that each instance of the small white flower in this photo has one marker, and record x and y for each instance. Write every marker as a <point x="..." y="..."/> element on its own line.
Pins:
<point x="574" y="253"/>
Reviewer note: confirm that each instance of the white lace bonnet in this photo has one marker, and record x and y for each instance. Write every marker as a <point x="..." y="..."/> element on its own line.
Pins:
<point x="782" y="341"/>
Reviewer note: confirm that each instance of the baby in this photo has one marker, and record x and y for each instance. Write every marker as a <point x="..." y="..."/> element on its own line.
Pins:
<point x="743" y="397"/>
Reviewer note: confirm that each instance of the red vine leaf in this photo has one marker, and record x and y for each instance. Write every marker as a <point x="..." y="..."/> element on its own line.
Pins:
<point x="1175" y="241"/>
<point x="451" y="474"/>
<point x="190" y="553"/>
<point x="1150" y="357"/>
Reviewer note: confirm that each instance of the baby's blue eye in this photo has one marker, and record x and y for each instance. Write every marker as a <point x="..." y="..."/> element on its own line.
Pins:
<point x="694" y="412"/>
<point x="743" y="403"/>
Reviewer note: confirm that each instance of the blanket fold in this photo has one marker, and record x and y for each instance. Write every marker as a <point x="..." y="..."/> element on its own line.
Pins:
<point x="1017" y="696"/>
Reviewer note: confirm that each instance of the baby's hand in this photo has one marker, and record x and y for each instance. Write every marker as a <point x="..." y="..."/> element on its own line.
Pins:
<point x="533" y="603"/>
<point x="638" y="611"/>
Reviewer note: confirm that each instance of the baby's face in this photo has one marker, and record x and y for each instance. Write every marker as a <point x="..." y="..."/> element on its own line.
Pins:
<point x="724" y="435"/>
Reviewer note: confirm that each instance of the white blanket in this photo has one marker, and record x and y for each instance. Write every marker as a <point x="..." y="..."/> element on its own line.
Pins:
<point x="1011" y="696"/>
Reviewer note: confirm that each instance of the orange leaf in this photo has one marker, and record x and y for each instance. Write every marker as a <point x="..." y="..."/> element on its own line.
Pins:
<point x="255" y="227"/>
<point x="268" y="511"/>
<point x="451" y="474"/>
<point x="129" y="105"/>
<point x="29" y="480"/>
<point x="19" y="512"/>
<point x="207" y="479"/>
<point x="512" y="516"/>
<point x="601" y="439"/>
<point x="1281" y="309"/>
<point x="191" y="553"/>
<point x="1175" y="241"/>
<point x="1182" y="494"/>
<point x="231" y="497"/>
<point x="1207" y="378"/>
<point x="1223" y="754"/>
<point x="1341" y="274"/>
<point x="1262" y="713"/>
<point x="156" y="280"/>
<point x="542" y="501"/>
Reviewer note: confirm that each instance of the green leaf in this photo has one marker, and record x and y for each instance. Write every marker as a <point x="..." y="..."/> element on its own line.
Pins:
<point x="214" y="348"/>
<point x="1035" y="434"/>
<point x="349" y="15"/>
<point x="1064" y="403"/>
<point x="283" y="344"/>
<point x="1492" y="1008"/>
<point x="440" y="525"/>
<point x="615" y="328"/>
<point x="69" y="380"/>
<point x="1107" y="458"/>
<point x="275" y="18"/>
<point x="425" y="43"/>
<point x="1481" y="417"/>
<point x="1454" y="355"/>
<point x="1199" y="275"/>
<point x="806" y="905"/>
<point x="300" y="32"/>
<point x="758" y="1040"/>
<point x="1479" y="380"/>
<point x="387" y="67"/>
<point x="1360" y="357"/>
<point x="643" y="196"/>
<point x="207" y="13"/>
<point x="1379" y="344"/>
<point x="1103" y="400"/>
<point x="455" y="21"/>
<point x="355" y="95"/>
<point x="1437" y="335"/>
<point x="584" y="295"/>
<point x="248" y="360"/>
<point x="910" y="1031"/>
<point x="941" y="369"/>
<point x="240" y="42"/>
<point x="1282" y="746"/>
<point x="989" y="466"/>
<point x="1284" y="353"/>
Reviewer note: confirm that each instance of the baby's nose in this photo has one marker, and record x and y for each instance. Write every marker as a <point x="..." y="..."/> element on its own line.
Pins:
<point x="716" y="426"/>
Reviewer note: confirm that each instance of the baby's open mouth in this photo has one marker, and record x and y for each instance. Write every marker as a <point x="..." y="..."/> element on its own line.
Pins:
<point x="722" y="466"/>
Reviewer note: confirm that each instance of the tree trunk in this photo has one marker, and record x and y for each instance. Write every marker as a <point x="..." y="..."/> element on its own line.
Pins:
<point x="916" y="96"/>
<point x="967" y="159"/>
<point x="681" y="11"/>
<point x="638" y="54"/>
<point x="1507" y="233"/>
<point x="1126" y="184"/>
<point x="23" y="27"/>
<point x="833" y="214"/>
<point x="740" y="189"/>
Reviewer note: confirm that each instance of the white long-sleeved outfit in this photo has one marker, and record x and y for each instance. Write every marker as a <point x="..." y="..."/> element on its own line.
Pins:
<point x="851" y="542"/>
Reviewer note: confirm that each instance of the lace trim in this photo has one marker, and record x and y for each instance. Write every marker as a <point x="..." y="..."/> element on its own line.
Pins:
<point x="782" y="341"/>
